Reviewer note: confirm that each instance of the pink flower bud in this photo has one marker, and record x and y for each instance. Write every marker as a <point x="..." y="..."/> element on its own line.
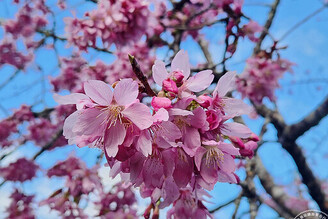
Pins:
<point x="177" y="76"/>
<point x="237" y="142"/>
<point x="170" y="86"/>
<point x="254" y="137"/>
<point x="212" y="119"/>
<point x="160" y="102"/>
<point x="204" y="100"/>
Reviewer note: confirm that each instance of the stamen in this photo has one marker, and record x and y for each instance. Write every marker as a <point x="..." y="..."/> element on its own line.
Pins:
<point x="213" y="156"/>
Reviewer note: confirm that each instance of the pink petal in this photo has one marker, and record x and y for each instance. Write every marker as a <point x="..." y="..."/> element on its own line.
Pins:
<point x="136" y="164"/>
<point x="198" y="120"/>
<point x="169" y="131"/>
<point x="226" y="177"/>
<point x="235" y="129"/>
<point x="225" y="84"/>
<point x="159" y="72"/>
<point x="228" y="148"/>
<point x="227" y="164"/>
<point x="183" y="170"/>
<point x="153" y="171"/>
<point x="161" y="115"/>
<point x="114" y="137"/>
<point x="168" y="157"/>
<point x="170" y="192"/>
<point x="99" y="92"/>
<point x="181" y="62"/>
<point x="161" y="102"/>
<point x="236" y="107"/>
<point x="200" y="81"/>
<point x="115" y="170"/>
<point x="139" y="114"/>
<point x="199" y="156"/>
<point x="192" y="138"/>
<point x="90" y="122"/>
<point x="69" y="124"/>
<point x="208" y="172"/>
<point x="73" y="98"/>
<point x="126" y="91"/>
<point x="179" y="112"/>
<point x="144" y="144"/>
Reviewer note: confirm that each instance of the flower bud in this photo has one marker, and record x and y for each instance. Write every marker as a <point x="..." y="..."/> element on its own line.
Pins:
<point x="170" y="86"/>
<point x="160" y="102"/>
<point x="177" y="76"/>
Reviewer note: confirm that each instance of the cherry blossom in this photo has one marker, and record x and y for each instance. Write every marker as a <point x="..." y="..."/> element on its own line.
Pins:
<point x="20" y="170"/>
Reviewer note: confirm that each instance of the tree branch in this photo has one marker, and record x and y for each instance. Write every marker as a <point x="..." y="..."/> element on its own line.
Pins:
<point x="276" y="192"/>
<point x="298" y="24"/>
<point x="267" y="26"/>
<point x="294" y="131"/>
<point x="308" y="177"/>
<point x="251" y="192"/>
<point x="140" y="75"/>
<point x="49" y="144"/>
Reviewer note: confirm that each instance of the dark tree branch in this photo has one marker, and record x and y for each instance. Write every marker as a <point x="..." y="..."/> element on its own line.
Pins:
<point x="275" y="117"/>
<point x="251" y="192"/>
<point x="49" y="144"/>
<point x="140" y="75"/>
<point x="223" y="205"/>
<point x="308" y="177"/>
<point x="177" y="6"/>
<point x="294" y="131"/>
<point x="277" y="193"/>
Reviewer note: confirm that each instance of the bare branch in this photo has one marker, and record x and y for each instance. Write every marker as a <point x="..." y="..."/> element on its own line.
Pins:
<point x="140" y="75"/>
<point x="308" y="177"/>
<point x="267" y="26"/>
<point x="2" y="85"/>
<point x="223" y="205"/>
<point x="49" y="144"/>
<point x="277" y="193"/>
<point x="204" y="46"/>
<point x="294" y="131"/>
<point x="298" y="24"/>
<point x="251" y="192"/>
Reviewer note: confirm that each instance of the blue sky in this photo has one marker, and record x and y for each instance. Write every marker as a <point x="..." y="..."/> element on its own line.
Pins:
<point x="300" y="93"/>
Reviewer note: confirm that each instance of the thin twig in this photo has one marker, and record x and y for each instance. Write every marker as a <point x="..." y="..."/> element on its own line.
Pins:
<point x="267" y="26"/>
<point x="223" y="205"/>
<point x="304" y="20"/>
<point x="3" y="84"/>
<point x="49" y="144"/>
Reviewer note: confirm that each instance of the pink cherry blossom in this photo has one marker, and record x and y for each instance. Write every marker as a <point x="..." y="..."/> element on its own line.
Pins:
<point x="260" y="78"/>
<point x="20" y="206"/>
<point x="105" y="123"/>
<point x="21" y="170"/>
<point x="180" y="72"/>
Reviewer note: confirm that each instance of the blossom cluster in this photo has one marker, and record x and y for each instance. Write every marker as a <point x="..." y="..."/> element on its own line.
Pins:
<point x="20" y="206"/>
<point x="179" y="146"/>
<point x="261" y="78"/>
<point x="9" y="126"/>
<point x="119" y="202"/>
<point x="23" y="26"/>
<point x="80" y="180"/>
<point x="75" y="69"/>
<point x="118" y="22"/>
<point x="20" y="170"/>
